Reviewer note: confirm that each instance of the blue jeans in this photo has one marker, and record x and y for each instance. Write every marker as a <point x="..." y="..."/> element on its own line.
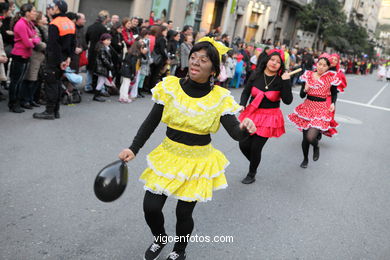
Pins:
<point x="236" y="80"/>
<point x="88" y="85"/>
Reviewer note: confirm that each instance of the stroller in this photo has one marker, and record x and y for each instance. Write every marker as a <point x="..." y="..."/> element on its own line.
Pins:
<point x="71" y="94"/>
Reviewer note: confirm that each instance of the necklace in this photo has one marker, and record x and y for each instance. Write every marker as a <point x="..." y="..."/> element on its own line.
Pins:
<point x="265" y="81"/>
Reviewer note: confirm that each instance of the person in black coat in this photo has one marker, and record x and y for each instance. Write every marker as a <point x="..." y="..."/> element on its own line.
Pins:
<point x="117" y="51"/>
<point x="160" y="50"/>
<point x="92" y="37"/>
<point x="81" y="44"/>
<point x="187" y="30"/>
<point x="129" y="72"/>
<point x="173" y="48"/>
<point x="104" y="66"/>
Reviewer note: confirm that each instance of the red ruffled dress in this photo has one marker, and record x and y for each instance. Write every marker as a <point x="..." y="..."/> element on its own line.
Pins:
<point x="315" y="114"/>
<point x="269" y="121"/>
<point x="333" y="124"/>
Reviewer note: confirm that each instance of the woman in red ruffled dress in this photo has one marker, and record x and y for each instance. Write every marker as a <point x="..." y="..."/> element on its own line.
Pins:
<point x="315" y="114"/>
<point x="266" y="86"/>
<point x="335" y="66"/>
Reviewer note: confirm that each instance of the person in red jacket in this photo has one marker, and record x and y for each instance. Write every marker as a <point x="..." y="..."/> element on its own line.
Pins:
<point x="151" y="18"/>
<point x="25" y="38"/>
<point x="127" y="32"/>
<point x="60" y="47"/>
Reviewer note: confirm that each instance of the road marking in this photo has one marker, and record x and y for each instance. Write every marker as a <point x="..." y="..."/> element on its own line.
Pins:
<point x="347" y="119"/>
<point x="377" y="94"/>
<point x="356" y="103"/>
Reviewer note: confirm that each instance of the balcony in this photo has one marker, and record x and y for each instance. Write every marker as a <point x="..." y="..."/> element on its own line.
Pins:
<point x="359" y="13"/>
<point x="299" y="2"/>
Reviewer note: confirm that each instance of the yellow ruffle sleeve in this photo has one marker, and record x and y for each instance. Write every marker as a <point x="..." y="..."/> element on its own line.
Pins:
<point x="159" y="94"/>
<point x="229" y="106"/>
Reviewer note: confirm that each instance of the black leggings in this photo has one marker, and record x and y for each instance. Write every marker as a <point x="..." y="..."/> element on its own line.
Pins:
<point x="251" y="147"/>
<point x="309" y="138"/>
<point x="153" y="204"/>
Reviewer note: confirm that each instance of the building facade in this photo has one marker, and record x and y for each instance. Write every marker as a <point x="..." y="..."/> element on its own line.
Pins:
<point x="384" y="12"/>
<point x="283" y="23"/>
<point x="383" y="31"/>
<point x="365" y="13"/>
<point x="305" y="39"/>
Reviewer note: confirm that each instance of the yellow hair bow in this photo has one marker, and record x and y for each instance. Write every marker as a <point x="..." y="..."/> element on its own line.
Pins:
<point x="221" y="48"/>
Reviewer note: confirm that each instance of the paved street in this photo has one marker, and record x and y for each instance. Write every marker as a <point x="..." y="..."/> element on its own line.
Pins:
<point x="337" y="208"/>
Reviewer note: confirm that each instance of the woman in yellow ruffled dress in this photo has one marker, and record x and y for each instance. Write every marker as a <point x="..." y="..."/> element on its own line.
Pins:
<point x="185" y="165"/>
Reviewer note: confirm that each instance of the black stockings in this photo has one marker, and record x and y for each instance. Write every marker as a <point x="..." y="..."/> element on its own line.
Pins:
<point x="309" y="138"/>
<point x="251" y="147"/>
<point x="153" y="204"/>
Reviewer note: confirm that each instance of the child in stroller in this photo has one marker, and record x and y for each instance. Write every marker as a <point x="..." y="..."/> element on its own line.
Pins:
<point x="71" y="94"/>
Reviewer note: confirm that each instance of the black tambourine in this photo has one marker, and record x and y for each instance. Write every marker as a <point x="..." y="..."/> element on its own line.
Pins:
<point x="111" y="181"/>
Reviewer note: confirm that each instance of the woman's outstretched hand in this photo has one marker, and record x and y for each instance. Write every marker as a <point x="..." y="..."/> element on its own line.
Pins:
<point x="248" y="125"/>
<point x="126" y="155"/>
<point x="286" y="76"/>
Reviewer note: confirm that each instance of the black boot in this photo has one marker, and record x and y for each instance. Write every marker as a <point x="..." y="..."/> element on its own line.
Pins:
<point x="5" y="85"/>
<point x="57" y="115"/>
<point x="2" y="96"/>
<point x="44" y="115"/>
<point x="304" y="164"/>
<point x="15" y="108"/>
<point x="97" y="97"/>
<point x="57" y="110"/>
<point x="35" y="104"/>
<point x="250" y="178"/>
<point x="26" y="106"/>
<point x="48" y="114"/>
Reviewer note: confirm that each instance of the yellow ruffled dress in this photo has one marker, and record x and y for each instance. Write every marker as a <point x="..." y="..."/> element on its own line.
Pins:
<point x="188" y="173"/>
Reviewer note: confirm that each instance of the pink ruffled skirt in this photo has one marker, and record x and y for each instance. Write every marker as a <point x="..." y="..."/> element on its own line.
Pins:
<point x="269" y="121"/>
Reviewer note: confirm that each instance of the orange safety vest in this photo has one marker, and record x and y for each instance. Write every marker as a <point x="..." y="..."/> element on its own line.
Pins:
<point x="65" y="25"/>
